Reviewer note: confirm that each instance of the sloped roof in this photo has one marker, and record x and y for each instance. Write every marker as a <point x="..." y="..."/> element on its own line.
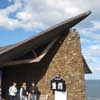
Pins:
<point x="86" y="68"/>
<point x="5" y="47"/>
<point x="10" y="52"/>
<point x="13" y="51"/>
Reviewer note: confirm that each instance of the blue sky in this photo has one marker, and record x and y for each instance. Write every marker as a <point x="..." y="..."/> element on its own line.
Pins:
<point x="20" y="19"/>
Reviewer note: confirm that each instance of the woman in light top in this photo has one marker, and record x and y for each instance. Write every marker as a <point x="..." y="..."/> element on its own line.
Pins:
<point x="13" y="92"/>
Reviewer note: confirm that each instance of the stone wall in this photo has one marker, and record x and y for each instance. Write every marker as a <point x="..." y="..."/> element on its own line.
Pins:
<point x="63" y="58"/>
<point x="68" y="63"/>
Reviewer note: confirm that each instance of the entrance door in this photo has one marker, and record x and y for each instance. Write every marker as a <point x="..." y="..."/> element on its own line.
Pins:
<point x="59" y="95"/>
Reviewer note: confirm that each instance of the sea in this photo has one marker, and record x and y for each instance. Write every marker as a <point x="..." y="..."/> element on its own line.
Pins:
<point x="93" y="89"/>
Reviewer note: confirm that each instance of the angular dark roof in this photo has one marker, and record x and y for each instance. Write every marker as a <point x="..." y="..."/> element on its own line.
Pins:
<point x="11" y="52"/>
<point x="86" y="68"/>
<point x="5" y="47"/>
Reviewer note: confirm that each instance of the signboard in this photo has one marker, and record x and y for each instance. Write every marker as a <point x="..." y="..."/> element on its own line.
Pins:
<point x="58" y="84"/>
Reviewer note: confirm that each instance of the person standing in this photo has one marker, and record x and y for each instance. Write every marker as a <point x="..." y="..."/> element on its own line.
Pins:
<point x="23" y="92"/>
<point x="13" y="92"/>
<point x="33" y="92"/>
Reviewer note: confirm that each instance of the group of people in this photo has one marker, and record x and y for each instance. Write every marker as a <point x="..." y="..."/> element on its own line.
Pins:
<point x="24" y="93"/>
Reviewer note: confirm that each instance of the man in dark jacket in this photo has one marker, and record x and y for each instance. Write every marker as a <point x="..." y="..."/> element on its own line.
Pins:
<point x="33" y="92"/>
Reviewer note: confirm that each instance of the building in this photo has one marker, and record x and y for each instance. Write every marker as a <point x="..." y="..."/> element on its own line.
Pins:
<point x="54" y="51"/>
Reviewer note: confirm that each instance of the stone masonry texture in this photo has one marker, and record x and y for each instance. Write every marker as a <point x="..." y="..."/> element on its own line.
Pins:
<point x="69" y="64"/>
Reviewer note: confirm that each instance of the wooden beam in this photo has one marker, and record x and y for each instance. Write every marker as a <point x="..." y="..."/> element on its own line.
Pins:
<point x="29" y="61"/>
<point x="34" y="53"/>
<point x="24" y="61"/>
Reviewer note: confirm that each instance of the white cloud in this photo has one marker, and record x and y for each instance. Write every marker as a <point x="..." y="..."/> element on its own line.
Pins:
<point x="7" y="22"/>
<point x="43" y="13"/>
<point x="94" y="50"/>
<point x="92" y="56"/>
<point x="97" y="69"/>
<point x="25" y="16"/>
<point x="38" y="13"/>
<point x="92" y="53"/>
<point x="91" y="32"/>
<point x="96" y="25"/>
